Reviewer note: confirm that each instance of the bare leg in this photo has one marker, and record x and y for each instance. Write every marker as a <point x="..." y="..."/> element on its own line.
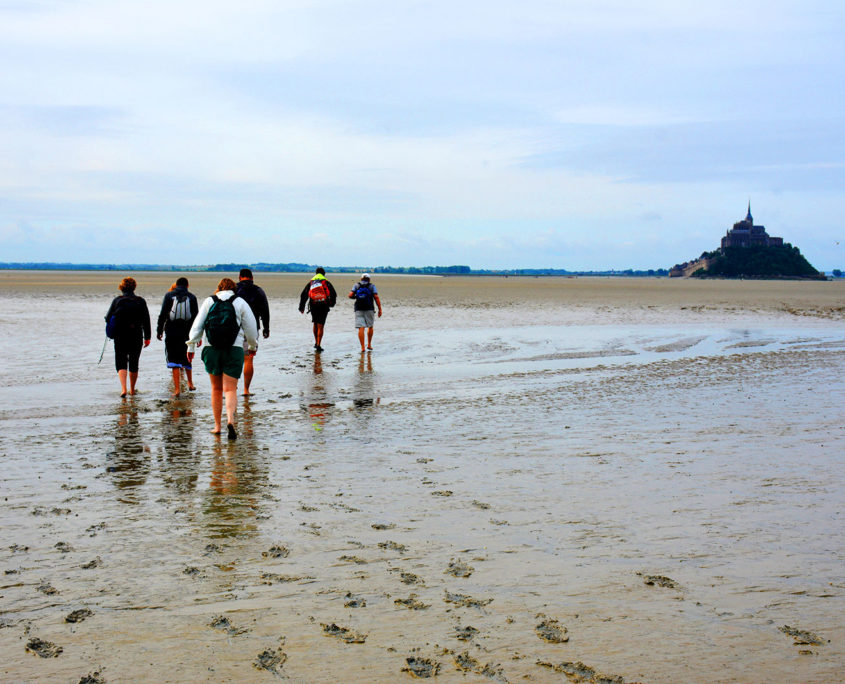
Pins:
<point x="369" y="338"/>
<point x="177" y="382"/>
<point x="249" y="370"/>
<point x="121" y="375"/>
<point x="314" y="327"/>
<point x="318" y="333"/>
<point x="190" y="375"/>
<point x="361" y="338"/>
<point x="133" y="378"/>
<point x="216" y="401"/>
<point x="230" y="390"/>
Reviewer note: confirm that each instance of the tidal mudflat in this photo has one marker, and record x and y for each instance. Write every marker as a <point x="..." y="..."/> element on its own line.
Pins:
<point x="545" y="480"/>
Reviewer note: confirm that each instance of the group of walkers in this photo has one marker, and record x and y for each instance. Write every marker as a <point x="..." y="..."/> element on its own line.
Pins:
<point x="230" y="321"/>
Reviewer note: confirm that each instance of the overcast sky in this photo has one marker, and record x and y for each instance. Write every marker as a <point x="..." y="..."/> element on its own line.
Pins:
<point x="580" y="135"/>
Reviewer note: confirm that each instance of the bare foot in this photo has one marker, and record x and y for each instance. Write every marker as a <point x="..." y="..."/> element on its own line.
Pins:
<point x="174" y="394"/>
<point x="123" y="394"/>
<point x="216" y="430"/>
<point x="247" y="394"/>
<point x="232" y="434"/>
<point x="191" y="388"/>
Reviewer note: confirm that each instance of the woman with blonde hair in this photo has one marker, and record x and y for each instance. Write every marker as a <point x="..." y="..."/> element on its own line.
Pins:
<point x="226" y="321"/>
<point x="128" y="324"/>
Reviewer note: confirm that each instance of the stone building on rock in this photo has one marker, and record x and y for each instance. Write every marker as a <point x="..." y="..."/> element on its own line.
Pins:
<point x="745" y="234"/>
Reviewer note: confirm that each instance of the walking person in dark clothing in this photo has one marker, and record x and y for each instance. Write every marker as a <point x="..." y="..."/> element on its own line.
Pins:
<point x="320" y="295"/>
<point x="178" y="310"/>
<point x="131" y="332"/>
<point x="257" y="300"/>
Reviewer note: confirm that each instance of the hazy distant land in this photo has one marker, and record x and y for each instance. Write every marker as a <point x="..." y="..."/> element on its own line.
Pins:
<point x="309" y="268"/>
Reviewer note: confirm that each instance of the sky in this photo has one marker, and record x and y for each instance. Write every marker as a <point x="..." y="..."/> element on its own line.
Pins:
<point x="608" y="134"/>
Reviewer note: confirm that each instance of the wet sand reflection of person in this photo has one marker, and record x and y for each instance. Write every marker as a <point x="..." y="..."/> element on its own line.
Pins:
<point x="181" y="465"/>
<point x="364" y="390"/>
<point x="128" y="463"/>
<point x="233" y="502"/>
<point x="246" y="419"/>
<point x="319" y="407"/>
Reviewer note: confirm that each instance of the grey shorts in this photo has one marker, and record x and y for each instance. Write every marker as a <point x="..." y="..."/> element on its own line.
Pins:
<point x="364" y="319"/>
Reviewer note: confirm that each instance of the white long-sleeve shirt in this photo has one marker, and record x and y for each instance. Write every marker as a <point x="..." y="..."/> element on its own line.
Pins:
<point x="249" y="328"/>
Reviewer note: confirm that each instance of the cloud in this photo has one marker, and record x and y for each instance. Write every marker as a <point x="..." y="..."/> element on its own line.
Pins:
<point x="459" y="131"/>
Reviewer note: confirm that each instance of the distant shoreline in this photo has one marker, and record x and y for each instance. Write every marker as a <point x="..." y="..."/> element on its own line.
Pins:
<point x="309" y="268"/>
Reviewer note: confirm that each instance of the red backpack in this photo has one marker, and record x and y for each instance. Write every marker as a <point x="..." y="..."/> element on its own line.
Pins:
<point x="319" y="291"/>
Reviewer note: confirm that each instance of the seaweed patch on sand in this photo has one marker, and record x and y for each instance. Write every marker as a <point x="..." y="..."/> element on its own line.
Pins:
<point x="465" y="600"/>
<point x="423" y="668"/>
<point x="552" y="631"/>
<point x="802" y="637"/>
<point x="411" y="603"/>
<point x="272" y="659"/>
<point x="43" y="649"/>
<point x="343" y="633"/>
<point x="659" y="580"/>
<point x="583" y="674"/>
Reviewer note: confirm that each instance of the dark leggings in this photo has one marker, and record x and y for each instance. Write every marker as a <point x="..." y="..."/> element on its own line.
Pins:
<point x="127" y="351"/>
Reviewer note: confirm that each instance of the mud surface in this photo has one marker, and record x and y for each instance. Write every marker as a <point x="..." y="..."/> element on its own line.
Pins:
<point x="617" y="463"/>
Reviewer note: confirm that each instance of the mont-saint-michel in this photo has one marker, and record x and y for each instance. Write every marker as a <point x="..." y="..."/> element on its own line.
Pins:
<point x="748" y="251"/>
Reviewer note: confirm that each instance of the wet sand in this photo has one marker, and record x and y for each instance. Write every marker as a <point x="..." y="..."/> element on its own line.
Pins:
<point x="543" y="480"/>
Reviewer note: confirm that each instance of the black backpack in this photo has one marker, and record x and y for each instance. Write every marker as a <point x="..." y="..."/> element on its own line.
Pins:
<point x="126" y="318"/>
<point x="221" y="323"/>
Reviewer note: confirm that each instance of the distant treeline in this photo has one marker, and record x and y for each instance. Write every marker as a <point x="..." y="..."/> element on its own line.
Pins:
<point x="309" y="268"/>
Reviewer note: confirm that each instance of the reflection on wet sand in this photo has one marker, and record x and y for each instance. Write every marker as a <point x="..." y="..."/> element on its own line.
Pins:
<point x="364" y="390"/>
<point x="232" y="501"/>
<point x="128" y="461"/>
<point x="319" y="407"/>
<point x="181" y="463"/>
<point x="246" y="430"/>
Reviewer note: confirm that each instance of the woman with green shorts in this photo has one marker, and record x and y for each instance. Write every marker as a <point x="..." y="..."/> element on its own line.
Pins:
<point x="224" y="361"/>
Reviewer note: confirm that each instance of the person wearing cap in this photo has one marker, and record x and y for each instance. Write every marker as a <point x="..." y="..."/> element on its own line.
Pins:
<point x="366" y="299"/>
<point x="257" y="300"/>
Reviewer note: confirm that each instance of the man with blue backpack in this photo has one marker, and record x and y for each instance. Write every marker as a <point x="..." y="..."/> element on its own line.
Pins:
<point x="366" y="299"/>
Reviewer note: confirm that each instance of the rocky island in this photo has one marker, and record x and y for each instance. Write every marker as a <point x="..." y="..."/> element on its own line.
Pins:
<point x="748" y="251"/>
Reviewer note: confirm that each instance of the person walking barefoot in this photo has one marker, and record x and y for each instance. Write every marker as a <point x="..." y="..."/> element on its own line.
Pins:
<point x="131" y="332"/>
<point x="366" y="296"/>
<point x="178" y="311"/>
<point x="229" y="326"/>
<point x="257" y="300"/>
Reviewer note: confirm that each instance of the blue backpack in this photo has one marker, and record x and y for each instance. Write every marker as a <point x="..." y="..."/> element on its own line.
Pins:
<point x="364" y="296"/>
<point x="111" y="327"/>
